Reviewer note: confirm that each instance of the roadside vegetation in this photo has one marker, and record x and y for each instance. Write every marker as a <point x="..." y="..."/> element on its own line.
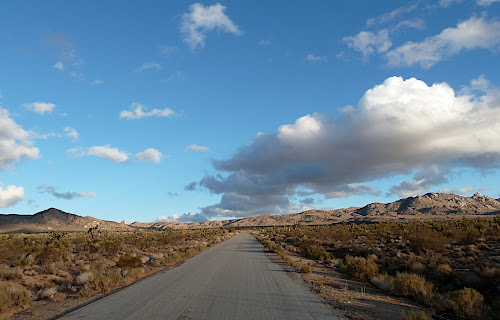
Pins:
<point x="40" y="268"/>
<point x="450" y="267"/>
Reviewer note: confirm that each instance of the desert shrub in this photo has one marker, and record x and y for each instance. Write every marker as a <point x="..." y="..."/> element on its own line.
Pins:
<point x="290" y="248"/>
<point x="469" y="236"/>
<point x="313" y="250"/>
<point x="272" y="246"/>
<point x="128" y="261"/>
<point x="11" y="297"/>
<point x="104" y="281"/>
<point x="360" y="268"/>
<point x="466" y="303"/>
<point x="423" y="238"/>
<point x="306" y="269"/>
<point x="7" y="273"/>
<point x="413" y="286"/>
<point x="416" y="315"/>
<point x="383" y="281"/>
<point x="445" y="269"/>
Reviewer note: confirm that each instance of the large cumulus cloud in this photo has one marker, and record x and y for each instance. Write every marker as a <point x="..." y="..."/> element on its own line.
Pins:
<point x="398" y="127"/>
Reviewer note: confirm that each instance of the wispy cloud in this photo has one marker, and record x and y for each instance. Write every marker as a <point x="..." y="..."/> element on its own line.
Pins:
<point x="311" y="57"/>
<point x="105" y="152"/>
<point x="200" y="20"/>
<point x="195" y="147"/>
<point x="69" y="195"/>
<point x="367" y="42"/>
<point x="474" y="33"/>
<point x="149" y="66"/>
<point x="137" y="112"/>
<point x="265" y="43"/>
<point x="392" y="15"/>
<point x="59" y="65"/>
<point x="72" y="133"/>
<point x="97" y="82"/>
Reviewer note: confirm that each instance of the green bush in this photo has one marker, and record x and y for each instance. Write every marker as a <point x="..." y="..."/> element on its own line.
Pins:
<point x="360" y="268"/>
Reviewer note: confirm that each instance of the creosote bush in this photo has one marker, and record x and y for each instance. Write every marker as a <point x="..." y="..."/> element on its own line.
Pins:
<point x="416" y="315"/>
<point x="413" y="286"/>
<point x="467" y="303"/>
<point x="360" y="268"/>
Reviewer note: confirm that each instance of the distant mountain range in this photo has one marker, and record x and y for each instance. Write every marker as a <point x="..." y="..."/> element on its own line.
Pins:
<point x="428" y="206"/>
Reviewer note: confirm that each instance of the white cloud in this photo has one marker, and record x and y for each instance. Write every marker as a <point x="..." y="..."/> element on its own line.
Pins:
<point x="465" y="190"/>
<point x="59" y="65"/>
<point x="448" y="3"/>
<point x="149" y="155"/>
<point x="105" y="152"/>
<point x="368" y="42"/>
<point x="474" y="33"/>
<point x="40" y="107"/>
<point x="195" y="147"/>
<point x="97" y="82"/>
<point x="168" y="50"/>
<point x="265" y="43"/>
<point x="418" y="24"/>
<point x="10" y="196"/>
<point x="313" y="58"/>
<point x="399" y="127"/>
<point x="149" y="66"/>
<point x="486" y="3"/>
<point x="391" y="15"/>
<point x="200" y="20"/>
<point x="14" y="142"/>
<point x="69" y="195"/>
<point x="72" y="133"/>
<point x="136" y="112"/>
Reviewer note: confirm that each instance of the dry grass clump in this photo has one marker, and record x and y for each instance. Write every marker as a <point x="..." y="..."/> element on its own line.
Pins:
<point x="416" y="315"/>
<point x="128" y="260"/>
<point x="306" y="269"/>
<point x="13" y="297"/>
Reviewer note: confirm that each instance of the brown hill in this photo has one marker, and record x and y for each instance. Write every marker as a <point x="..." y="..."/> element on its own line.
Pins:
<point x="428" y="206"/>
<point x="54" y="220"/>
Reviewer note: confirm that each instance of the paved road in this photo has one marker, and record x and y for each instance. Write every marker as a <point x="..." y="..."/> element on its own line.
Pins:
<point x="234" y="280"/>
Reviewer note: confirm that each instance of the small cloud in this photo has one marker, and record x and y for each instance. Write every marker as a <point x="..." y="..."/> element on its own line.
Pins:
<point x="72" y="133"/>
<point x="43" y="136"/>
<point x="195" y="147"/>
<point x="40" y="107"/>
<point x="136" y="112"/>
<point x="97" y="82"/>
<point x="149" y="155"/>
<point x="10" y="195"/>
<point x="172" y="194"/>
<point x="77" y="75"/>
<point x="183" y="218"/>
<point x="167" y="50"/>
<point x="367" y="42"/>
<point x="265" y="43"/>
<point x="313" y="58"/>
<point x="149" y="66"/>
<point x="191" y="186"/>
<point x="179" y="75"/>
<point x="200" y="20"/>
<point x="66" y="195"/>
<point x="59" y="65"/>
<point x="105" y="152"/>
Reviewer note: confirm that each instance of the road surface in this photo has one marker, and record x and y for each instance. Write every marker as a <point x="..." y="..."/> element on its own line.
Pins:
<point x="234" y="280"/>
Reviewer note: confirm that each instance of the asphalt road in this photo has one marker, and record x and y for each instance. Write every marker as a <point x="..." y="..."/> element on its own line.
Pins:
<point x="234" y="280"/>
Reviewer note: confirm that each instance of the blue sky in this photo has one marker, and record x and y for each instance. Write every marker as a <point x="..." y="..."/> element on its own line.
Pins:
<point x="187" y="111"/>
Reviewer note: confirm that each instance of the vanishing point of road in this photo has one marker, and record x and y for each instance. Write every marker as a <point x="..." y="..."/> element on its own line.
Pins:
<point x="233" y="280"/>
